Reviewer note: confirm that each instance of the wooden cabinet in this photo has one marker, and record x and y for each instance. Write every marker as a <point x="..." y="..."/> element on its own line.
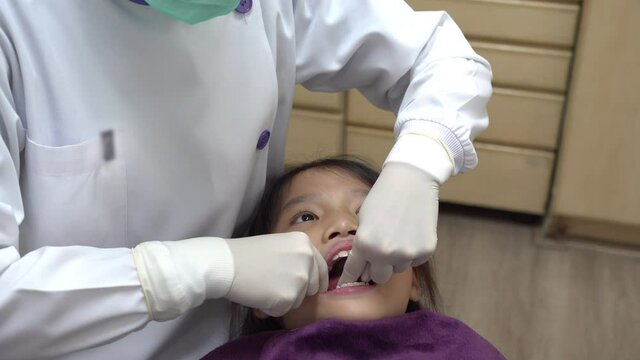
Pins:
<point x="597" y="187"/>
<point x="530" y="47"/>
<point x="529" y="44"/>
<point x="540" y="22"/>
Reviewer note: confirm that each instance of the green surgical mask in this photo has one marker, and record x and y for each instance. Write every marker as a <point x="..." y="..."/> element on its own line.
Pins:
<point x="194" y="11"/>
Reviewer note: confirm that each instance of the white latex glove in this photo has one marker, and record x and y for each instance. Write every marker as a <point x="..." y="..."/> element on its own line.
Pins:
<point x="272" y="273"/>
<point x="397" y="224"/>
<point x="275" y="272"/>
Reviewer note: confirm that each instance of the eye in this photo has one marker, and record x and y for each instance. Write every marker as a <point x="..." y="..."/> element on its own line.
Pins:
<point x="304" y="217"/>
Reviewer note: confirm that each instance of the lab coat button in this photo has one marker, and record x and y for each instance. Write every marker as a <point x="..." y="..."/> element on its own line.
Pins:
<point x="263" y="140"/>
<point x="244" y="6"/>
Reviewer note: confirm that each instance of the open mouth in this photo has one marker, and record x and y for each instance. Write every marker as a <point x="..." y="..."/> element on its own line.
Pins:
<point x="336" y="266"/>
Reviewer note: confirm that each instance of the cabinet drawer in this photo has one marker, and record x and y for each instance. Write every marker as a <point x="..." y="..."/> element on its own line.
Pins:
<point x="524" y="118"/>
<point x="361" y="112"/>
<point x="371" y="145"/>
<point x="537" y="22"/>
<point x="516" y="117"/>
<point x="313" y="134"/>
<point x="306" y="99"/>
<point x="526" y="67"/>
<point x="506" y="178"/>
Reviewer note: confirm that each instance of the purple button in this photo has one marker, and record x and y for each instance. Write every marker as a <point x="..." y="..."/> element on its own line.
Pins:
<point x="263" y="140"/>
<point x="140" y="2"/>
<point x="244" y="7"/>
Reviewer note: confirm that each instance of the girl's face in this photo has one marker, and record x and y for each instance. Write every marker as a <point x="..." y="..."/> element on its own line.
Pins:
<point x="324" y="204"/>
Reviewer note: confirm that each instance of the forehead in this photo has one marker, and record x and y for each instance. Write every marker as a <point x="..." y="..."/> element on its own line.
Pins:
<point x="323" y="179"/>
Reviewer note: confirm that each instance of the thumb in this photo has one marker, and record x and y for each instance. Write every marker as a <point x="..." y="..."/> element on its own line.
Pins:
<point x="353" y="268"/>
<point x="319" y="280"/>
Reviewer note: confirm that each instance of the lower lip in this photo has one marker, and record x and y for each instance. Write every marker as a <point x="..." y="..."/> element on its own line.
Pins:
<point x="349" y="290"/>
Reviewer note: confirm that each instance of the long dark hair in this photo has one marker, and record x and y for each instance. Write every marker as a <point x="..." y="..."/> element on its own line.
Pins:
<point x="243" y="321"/>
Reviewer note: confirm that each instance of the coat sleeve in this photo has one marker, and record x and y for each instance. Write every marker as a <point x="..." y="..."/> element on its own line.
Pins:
<point x="417" y="64"/>
<point x="54" y="300"/>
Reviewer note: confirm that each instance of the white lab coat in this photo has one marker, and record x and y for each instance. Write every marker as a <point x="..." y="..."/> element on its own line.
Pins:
<point x="186" y="106"/>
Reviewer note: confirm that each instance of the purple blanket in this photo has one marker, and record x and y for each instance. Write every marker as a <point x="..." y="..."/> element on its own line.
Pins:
<point x="416" y="335"/>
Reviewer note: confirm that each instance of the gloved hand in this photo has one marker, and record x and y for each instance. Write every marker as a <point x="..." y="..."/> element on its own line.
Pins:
<point x="272" y="273"/>
<point x="275" y="272"/>
<point x="397" y="224"/>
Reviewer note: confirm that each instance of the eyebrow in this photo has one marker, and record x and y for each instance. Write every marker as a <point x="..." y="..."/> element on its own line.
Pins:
<point x="297" y="200"/>
<point x="307" y="197"/>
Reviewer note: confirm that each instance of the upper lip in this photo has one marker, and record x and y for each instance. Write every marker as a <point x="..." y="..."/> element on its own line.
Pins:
<point x="336" y="248"/>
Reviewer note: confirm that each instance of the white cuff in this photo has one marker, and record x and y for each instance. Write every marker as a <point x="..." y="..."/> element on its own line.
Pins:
<point x="179" y="275"/>
<point x="424" y="152"/>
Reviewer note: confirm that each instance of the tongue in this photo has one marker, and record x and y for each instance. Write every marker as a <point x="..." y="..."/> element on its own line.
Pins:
<point x="336" y="272"/>
<point x="333" y="283"/>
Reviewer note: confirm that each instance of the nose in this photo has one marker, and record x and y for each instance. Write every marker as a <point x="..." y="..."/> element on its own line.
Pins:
<point x="343" y="225"/>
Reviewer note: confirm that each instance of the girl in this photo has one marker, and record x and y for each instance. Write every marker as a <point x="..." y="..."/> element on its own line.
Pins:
<point x="397" y="319"/>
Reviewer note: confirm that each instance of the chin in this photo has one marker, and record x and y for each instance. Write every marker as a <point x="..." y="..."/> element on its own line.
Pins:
<point x="350" y="309"/>
<point x="356" y="311"/>
<point x="359" y="316"/>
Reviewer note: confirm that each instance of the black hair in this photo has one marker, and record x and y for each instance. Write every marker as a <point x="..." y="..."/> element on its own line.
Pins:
<point x="243" y="321"/>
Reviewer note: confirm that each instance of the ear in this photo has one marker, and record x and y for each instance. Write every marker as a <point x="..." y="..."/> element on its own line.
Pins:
<point x="259" y="314"/>
<point x="415" y="286"/>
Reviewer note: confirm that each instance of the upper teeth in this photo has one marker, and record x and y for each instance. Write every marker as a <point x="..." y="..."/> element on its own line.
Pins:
<point x="341" y="254"/>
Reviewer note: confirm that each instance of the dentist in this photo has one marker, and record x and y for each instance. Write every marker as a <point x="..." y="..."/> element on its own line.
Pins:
<point x="137" y="137"/>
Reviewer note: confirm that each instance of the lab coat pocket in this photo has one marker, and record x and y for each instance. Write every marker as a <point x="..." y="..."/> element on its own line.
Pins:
<point x="74" y="194"/>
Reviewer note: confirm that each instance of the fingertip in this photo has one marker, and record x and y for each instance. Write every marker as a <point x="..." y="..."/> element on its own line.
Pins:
<point x="314" y="278"/>
<point x="297" y="303"/>
<point x="322" y="273"/>
<point x="419" y="261"/>
<point x="274" y="312"/>
<point x="402" y="267"/>
<point x="353" y="268"/>
<point x="324" y="283"/>
<point x="366" y="274"/>
<point x="314" y="285"/>
<point x="346" y="278"/>
<point x="380" y="274"/>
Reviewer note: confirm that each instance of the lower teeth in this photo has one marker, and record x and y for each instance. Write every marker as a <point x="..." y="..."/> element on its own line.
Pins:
<point x="358" y="283"/>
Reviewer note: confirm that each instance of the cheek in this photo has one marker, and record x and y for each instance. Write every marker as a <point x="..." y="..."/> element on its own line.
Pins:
<point x="397" y="291"/>
<point x="315" y="235"/>
<point x="301" y="316"/>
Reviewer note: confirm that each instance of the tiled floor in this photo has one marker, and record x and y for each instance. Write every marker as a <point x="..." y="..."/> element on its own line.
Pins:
<point x="538" y="300"/>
